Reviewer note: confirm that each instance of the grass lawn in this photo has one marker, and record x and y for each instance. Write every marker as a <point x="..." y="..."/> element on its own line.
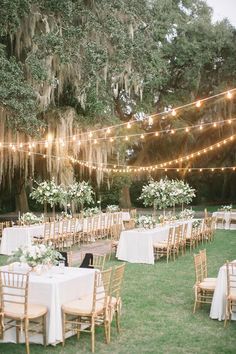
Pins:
<point x="157" y="311"/>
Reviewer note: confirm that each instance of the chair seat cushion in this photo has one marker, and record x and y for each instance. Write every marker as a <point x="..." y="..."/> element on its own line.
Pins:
<point x="232" y="295"/>
<point x="82" y="306"/>
<point x="206" y="285"/>
<point x="17" y="311"/>
<point x="211" y="280"/>
<point x="160" y="245"/>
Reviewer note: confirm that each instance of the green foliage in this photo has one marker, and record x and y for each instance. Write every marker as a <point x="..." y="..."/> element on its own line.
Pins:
<point x="16" y="95"/>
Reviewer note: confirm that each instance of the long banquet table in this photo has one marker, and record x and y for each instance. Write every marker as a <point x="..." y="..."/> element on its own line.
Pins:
<point x="21" y="236"/>
<point x="136" y="246"/>
<point x="52" y="289"/>
<point x="226" y="215"/>
<point x="219" y="299"/>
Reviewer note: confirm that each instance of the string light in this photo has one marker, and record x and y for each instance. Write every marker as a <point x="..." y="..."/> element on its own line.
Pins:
<point x="198" y="104"/>
<point x="173" y="112"/>
<point x="229" y="95"/>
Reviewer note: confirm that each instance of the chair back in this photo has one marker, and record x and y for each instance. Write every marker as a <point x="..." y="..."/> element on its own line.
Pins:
<point x="170" y="239"/>
<point x="204" y="263"/>
<point x="116" y="281"/>
<point x="99" y="261"/>
<point x="129" y="225"/>
<point x="133" y="213"/>
<point x="14" y="290"/>
<point x="198" y="268"/>
<point x="231" y="278"/>
<point x="47" y="230"/>
<point x="116" y="231"/>
<point x="101" y="288"/>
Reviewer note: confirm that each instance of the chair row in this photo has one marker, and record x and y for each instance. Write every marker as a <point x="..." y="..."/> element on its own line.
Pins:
<point x="179" y="239"/>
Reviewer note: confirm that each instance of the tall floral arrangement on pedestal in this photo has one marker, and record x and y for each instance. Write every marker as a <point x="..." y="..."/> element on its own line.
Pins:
<point x="80" y="193"/>
<point x="187" y="193"/>
<point x="166" y="193"/>
<point x="48" y="192"/>
<point x="157" y="194"/>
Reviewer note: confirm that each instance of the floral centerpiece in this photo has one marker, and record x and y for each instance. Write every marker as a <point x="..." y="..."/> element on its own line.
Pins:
<point x="80" y="193"/>
<point x="148" y="222"/>
<point x="64" y="215"/>
<point x="226" y="207"/>
<point x="36" y="255"/>
<point x="30" y="218"/>
<point x="168" y="217"/>
<point x="112" y="208"/>
<point x="186" y="214"/>
<point x="196" y="223"/>
<point x="91" y="211"/>
<point x="48" y="192"/>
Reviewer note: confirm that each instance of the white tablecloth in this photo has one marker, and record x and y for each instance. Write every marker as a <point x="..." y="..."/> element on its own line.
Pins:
<point x="219" y="299"/>
<point x="136" y="246"/>
<point x="226" y="215"/>
<point x="52" y="289"/>
<point x="19" y="236"/>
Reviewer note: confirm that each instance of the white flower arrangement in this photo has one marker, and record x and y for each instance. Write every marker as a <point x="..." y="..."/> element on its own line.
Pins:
<point x="37" y="254"/>
<point x="112" y="208"/>
<point x="186" y="214"/>
<point x="30" y="218"/>
<point x="91" y="211"/>
<point x="166" y="193"/>
<point x="226" y="207"/>
<point x="145" y="221"/>
<point x="64" y="215"/>
<point x="168" y="217"/>
<point x="48" y="192"/>
<point x="196" y="224"/>
<point x="80" y="193"/>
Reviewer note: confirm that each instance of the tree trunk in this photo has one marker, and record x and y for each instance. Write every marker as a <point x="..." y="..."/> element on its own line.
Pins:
<point x="125" y="201"/>
<point x="21" y="198"/>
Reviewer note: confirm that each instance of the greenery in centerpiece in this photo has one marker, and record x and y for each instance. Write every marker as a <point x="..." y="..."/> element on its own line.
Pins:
<point x="91" y="211"/>
<point x="147" y="222"/>
<point x="226" y="207"/>
<point x="112" y="208"/>
<point x="167" y="217"/>
<point x="80" y="193"/>
<point x="36" y="255"/>
<point x="30" y="219"/>
<point x="166" y="193"/>
<point x="48" y="192"/>
<point x="186" y="214"/>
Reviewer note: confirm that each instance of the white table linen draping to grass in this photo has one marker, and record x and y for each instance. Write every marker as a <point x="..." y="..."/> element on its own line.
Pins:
<point x="52" y="289"/>
<point x="226" y="215"/>
<point x="219" y="299"/>
<point x="136" y="246"/>
<point x="21" y="236"/>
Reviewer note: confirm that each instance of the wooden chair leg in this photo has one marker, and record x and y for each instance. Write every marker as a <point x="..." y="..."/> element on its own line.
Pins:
<point x="92" y="335"/>
<point x="118" y="321"/>
<point x="17" y="332"/>
<point x="27" y="336"/>
<point x="63" y="328"/>
<point x="44" y="330"/>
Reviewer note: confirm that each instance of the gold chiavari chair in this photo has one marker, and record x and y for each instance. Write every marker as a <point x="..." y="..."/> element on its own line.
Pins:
<point x="109" y="223"/>
<point x="203" y="256"/>
<point x="191" y="240"/>
<point x="88" y="230"/>
<point x="164" y="249"/>
<point x="129" y="224"/>
<point x="98" y="261"/>
<point x="83" y="315"/>
<point x="17" y="311"/>
<point x="176" y="241"/>
<point x="103" y="229"/>
<point x="183" y="239"/>
<point x="115" y="236"/>
<point x="95" y="227"/>
<point x="133" y="213"/>
<point x="114" y="301"/>
<point x="203" y="289"/>
<point x="231" y="291"/>
<point x="3" y="225"/>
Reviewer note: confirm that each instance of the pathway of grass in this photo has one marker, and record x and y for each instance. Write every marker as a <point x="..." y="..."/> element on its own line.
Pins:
<point x="157" y="311"/>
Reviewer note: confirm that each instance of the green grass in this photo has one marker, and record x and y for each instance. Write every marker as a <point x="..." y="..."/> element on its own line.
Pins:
<point x="157" y="311"/>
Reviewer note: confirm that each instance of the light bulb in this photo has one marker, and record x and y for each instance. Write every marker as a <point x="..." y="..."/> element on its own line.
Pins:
<point x="198" y="104"/>
<point x="229" y="95"/>
<point x="173" y="112"/>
